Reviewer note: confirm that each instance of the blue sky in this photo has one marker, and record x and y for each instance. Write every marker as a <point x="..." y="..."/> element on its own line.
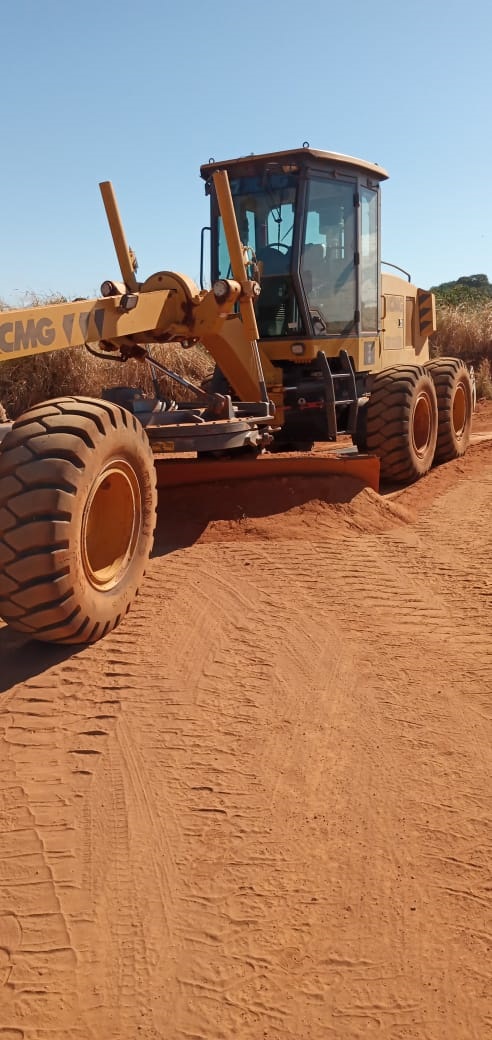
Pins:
<point x="142" y="94"/>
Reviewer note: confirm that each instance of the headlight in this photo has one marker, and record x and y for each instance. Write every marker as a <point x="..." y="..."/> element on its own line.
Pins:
<point x="221" y="290"/>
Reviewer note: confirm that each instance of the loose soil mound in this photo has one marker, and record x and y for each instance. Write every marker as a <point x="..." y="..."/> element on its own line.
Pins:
<point x="278" y="509"/>
<point x="297" y="507"/>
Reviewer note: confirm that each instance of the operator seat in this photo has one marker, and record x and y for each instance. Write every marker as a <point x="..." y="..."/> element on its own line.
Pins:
<point x="272" y="304"/>
<point x="313" y="267"/>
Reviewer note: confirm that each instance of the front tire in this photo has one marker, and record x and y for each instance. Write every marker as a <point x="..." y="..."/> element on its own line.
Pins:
<point x="402" y="422"/>
<point x="77" y="516"/>
<point x="455" y="407"/>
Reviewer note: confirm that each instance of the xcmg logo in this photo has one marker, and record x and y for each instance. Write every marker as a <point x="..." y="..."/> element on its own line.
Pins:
<point x="18" y="335"/>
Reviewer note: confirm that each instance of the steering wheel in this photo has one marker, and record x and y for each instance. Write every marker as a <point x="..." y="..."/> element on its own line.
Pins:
<point x="275" y="259"/>
<point x="277" y="247"/>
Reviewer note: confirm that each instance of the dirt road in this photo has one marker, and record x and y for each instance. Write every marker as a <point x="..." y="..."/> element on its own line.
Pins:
<point x="261" y="808"/>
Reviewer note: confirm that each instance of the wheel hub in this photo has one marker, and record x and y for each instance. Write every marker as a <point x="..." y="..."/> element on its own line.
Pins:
<point x="422" y="424"/>
<point x="460" y="411"/>
<point x="110" y="525"/>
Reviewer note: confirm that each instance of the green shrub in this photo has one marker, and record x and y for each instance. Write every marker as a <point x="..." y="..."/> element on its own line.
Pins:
<point x="472" y="289"/>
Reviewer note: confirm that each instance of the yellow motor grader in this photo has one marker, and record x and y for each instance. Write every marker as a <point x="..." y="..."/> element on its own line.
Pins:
<point x="344" y="346"/>
<point x="310" y="342"/>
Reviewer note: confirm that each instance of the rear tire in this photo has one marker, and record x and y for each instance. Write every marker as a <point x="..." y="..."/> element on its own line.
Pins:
<point x="455" y="407"/>
<point x="402" y="422"/>
<point x="77" y="517"/>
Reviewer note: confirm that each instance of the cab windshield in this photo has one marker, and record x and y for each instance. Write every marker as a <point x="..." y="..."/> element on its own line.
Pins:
<point x="316" y="247"/>
<point x="265" y="211"/>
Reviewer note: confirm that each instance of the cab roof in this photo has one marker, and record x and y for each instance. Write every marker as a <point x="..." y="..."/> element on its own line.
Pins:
<point x="294" y="157"/>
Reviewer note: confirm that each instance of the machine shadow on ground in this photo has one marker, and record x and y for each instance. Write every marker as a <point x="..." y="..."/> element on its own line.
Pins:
<point x="23" y="658"/>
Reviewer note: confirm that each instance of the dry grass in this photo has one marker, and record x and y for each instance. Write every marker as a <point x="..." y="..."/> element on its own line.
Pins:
<point x="483" y="377"/>
<point x="464" y="330"/>
<point x="27" y="381"/>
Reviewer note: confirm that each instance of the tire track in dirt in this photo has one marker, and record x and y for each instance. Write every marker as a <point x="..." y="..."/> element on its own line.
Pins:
<point x="433" y="665"/>
<point x="263" y="802"/>
<point x="407" y="615"/>
<point x="36" y="850"/>
<point x="410" y="614"/>
<point x="65" y="845"/>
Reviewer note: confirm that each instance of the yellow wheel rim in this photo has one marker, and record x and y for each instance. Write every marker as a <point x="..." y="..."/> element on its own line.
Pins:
<point x="460" y="410"/>
<point x="422" y="424"/>
<point x="111" y="525"/>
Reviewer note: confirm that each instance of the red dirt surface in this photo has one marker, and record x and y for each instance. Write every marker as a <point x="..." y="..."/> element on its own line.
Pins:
<point x="482" y="419"/>
<point x="260" y="808"/>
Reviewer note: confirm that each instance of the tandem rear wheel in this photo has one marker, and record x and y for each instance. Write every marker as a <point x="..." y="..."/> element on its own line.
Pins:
<point x="453" y="385"/>
<point x="402" y="422"/>
<point x="417" y="416"/>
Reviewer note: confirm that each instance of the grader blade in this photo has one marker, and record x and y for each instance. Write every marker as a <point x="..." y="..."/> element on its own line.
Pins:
<point x="179" y="472"/>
